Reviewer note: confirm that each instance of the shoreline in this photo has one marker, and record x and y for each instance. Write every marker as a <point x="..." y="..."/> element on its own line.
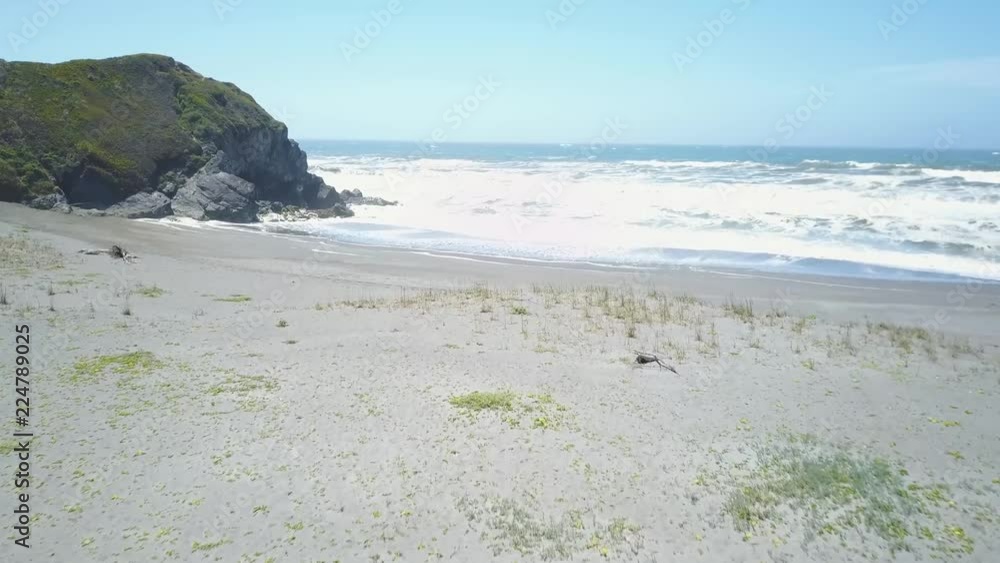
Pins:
<point x="287" y="229"/>
<point x="752" y="270"/>
<point x="671" y="258"/>
<point x="966" y="306"/>
<point x="811" y="217"/>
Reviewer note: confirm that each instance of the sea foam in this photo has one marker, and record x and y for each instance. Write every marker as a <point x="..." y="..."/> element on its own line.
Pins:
<point x="722" y="213"/>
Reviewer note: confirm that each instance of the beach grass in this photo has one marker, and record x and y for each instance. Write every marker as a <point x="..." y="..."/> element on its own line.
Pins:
<point x="740" y="309"/>
<point x="22" y="254"/>
<point x="836" y="489"/>
<point x="519" y="525"/>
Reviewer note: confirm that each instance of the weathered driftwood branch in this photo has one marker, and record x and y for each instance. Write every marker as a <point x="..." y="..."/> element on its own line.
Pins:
<point x="643" y="358"/>
<point x="115" y="252"/>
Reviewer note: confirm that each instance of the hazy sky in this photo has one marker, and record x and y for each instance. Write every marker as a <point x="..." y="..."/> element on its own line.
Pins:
<point x="685" y="72"/>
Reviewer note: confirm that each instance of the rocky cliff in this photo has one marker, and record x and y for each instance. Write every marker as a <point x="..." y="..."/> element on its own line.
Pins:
<point x="146" y="136"/>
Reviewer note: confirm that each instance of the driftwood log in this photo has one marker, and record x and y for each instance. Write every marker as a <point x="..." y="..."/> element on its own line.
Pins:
<point x="643" y="358"/>
<point x="115" y="252"/>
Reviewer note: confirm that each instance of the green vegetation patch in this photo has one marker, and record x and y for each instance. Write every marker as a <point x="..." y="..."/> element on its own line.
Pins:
<point x="250" y="391"/>
<point x="208" y="546"/>
<point x="152" y="291"/>
<point x="243" y="384"/>
<point x="944" y="423"/>
<point x="481" y="401"/>
<point x="836" y="490"/>
<point x="7" y="446"/>
<point x="235" y="298"/>
<point x="539" y="411"/>
<point x="514" y="525"/>
<point x="134" y="364"/>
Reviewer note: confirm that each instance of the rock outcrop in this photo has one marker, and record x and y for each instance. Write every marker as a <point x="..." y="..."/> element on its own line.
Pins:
<point x="219" y="196"/>
<point x="143" y="205"/>
<point x="355" y="197"/>
<point x="146" y="136"/>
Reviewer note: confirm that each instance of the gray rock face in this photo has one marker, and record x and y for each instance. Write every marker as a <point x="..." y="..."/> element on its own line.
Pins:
<point x="371" y="201"/>
<point x="86" y="211"/>
<point x="273" y="162"/>
<point x="142" y="205"/>
<point x="50" y="201"/>
<point x="218" y="196"/>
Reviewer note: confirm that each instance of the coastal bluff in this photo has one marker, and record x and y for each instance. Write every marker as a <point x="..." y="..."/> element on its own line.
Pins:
<point x="147" y="136"/>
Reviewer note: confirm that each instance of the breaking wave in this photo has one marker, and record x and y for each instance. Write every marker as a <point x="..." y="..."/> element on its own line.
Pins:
<point x="856" y="217"/>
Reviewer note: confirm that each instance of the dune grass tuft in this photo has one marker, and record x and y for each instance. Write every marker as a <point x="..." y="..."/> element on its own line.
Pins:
<point x="902" y="337"/>
<point x="742" y="310"/>
<point x="24" y="254"/>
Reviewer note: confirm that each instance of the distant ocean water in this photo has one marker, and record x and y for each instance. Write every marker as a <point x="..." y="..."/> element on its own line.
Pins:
<point x="872" y="213"/>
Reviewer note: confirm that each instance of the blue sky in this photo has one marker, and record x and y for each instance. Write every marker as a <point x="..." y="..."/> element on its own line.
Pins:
<point x="561" y="72"/>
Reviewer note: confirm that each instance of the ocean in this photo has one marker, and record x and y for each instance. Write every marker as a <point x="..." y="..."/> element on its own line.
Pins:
<point x="865" y="213"/>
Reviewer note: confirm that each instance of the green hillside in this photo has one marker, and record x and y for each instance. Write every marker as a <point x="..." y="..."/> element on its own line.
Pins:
<point x="125" y="121"/>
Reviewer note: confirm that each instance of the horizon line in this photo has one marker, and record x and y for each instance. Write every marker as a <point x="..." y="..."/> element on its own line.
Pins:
<point x="643" y="144"/>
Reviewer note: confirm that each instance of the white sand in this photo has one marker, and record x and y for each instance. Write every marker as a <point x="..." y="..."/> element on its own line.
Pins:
<point x="331" y="437"/>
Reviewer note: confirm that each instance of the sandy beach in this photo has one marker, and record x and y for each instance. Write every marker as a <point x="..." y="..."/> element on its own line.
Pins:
<point x="234" y="396"/>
